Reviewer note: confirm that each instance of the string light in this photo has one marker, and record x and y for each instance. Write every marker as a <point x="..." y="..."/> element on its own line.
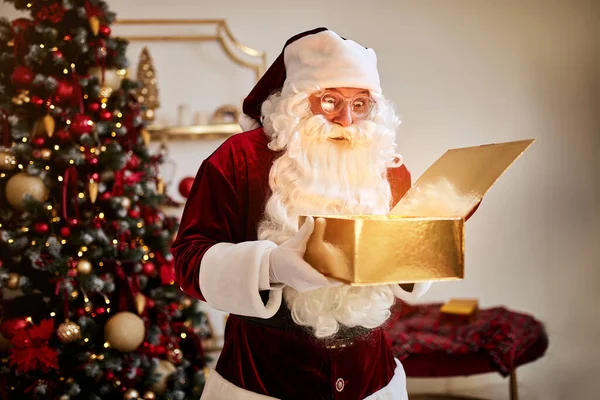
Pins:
<point x="56" y="147"/>
<point x="24" y="229"/>
<point x="73" y="65"/>
<point x="79" y="253"/>
<point x="20" y="166"/>
<point x="2" y="175"/>
<point x="103" y="105"/>
<point x="113" y="134"/>
<point x="101" y="264"/>
<point x="10" y="241"/>
<point x="68" y="122"/>
<point x="49" y="207"/>
<point x="115" y="241"/>
<point x="140" y="225"/>
<point x="145" y="258"/>
<point x="41" y="45"/>
<point x="60" y="178"/>
<point x="85" y="96"/>
<point x="101" y="215"/>
<point x="52" y="314"/>
<point x="31" y="162"/>
<point x="71" y="162"/>
<point x="65" y="71"/>
<point x="119" y="114"/>
<point x="118" y="125"/>
<point x="81" y="148"/>
<point x="103" y="148"/>
<point x="28" y="319"/>
<point x="81" y="195"/>
<point x="47" y="244"/>
<point x="106" y="345"/>
<point x="183" y="335"/>
<point x="86" y="340"/>
<point x="24" y="140"/>
<point x="84" y="248"/>
<point x="33" y="242"/>
<point x="47" y="168"/>
<point x="52" y="107"/>
<point x="63" y="241"/>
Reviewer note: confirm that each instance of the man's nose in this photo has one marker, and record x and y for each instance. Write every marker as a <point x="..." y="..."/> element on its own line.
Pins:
<point x="344" y="117"/>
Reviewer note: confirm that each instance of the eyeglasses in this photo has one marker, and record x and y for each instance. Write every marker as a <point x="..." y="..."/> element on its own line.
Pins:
<point x="334" y="102"/>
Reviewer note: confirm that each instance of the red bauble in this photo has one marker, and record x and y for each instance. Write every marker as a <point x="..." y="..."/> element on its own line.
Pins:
<point x="133" y="163"/>
<point x="38" y="141"/>
<point x="105" y="196"/>
<point x="41" y="227"/>
<point x="94" y="106"/>
<point x="185" y="186"/>
<point x="22" y="77"/>
<point x="148" y="269"/>
<point x="109" y="375"/>
<point x="37" y="101"/>
<point x="72" y="273"/>
<point x="62" y="135"/>
<point x="81" y="124"/>
<point x="105" y="115"/>
<point x="104" y="31"/>
<point x="134" y="214"/>
<point x="64" y="92"/>
<point x="65" y="231"/>
<point x="12" y="327"/>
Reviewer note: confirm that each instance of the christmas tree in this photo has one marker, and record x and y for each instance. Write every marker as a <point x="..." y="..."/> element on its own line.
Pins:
<point x="89" y="305"/>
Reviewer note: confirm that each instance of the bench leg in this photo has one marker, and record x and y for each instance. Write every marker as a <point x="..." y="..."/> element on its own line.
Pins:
<point x="514" y="387"/>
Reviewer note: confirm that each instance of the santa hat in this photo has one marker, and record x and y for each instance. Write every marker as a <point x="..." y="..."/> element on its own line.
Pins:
<point x="318" y="58"/>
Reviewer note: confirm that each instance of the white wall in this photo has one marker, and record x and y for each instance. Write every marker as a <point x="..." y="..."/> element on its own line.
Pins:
<point x="467" y="72"/>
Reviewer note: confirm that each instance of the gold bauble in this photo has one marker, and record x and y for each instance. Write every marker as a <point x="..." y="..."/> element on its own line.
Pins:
<point x="112" y="78"/>
<point x="93" y="189"/>
<point x="124" y="331"/>
<point x="7" y="160"/>
<point x="149" y="395"/>
<point x="44" y="126"/>
<point x="68" y="332"/>
<point x="94" y="22"/>
<point x="84" y="267"/>
<point x="105" y="91"/>
<point x="164" y="369"/>
<point x="131" y="394"/>
<point x="22" y="184"/>
<point x="45" y="154"/>
<point x="13" y="281"/>
<point x="140" y="303"/>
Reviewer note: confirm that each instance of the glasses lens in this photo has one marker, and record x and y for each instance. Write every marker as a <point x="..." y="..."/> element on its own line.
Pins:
<point x="331" y="103"/>
<point x="361" y="106"/>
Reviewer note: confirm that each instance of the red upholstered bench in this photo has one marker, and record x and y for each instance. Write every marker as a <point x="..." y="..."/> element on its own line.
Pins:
<point x="499" y="340"/>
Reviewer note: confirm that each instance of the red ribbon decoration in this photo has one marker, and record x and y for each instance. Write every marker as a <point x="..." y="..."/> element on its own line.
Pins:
<point x="6" y="139"/>
<point x="70" y="179"/>
<point x="118" y="185"/>
<point x="128" y="288"/>
<point x="77" y="96"/>
<point x="20" y="39"/>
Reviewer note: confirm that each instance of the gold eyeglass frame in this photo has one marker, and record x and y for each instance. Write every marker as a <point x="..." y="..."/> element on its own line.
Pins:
<point x="228" y="43"/>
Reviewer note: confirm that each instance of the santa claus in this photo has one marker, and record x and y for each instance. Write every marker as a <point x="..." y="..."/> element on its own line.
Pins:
<point x="320" y="140"/>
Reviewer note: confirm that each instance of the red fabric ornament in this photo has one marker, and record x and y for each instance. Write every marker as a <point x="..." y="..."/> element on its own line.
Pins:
<point x="81" y="124"/>
<point x="38" y="141"/>
<point x="36" y="101"/>
<point x="53" y="13"/>
<point x="185" y="186"/>
<point x="73" y="222"/>
<point x="104" y="31"/>
<point x="64" y="92"/>
<point x="105" y="196"/>
<point x="41" y="227"/>
<point x="133" y="163"/>
<point x="19" y="28"/>
<point x="135" y="214"/>
<point x="12" y="327"/>
<point x="62" y="135"/>
<point x="105" y="115"/>
<point x="167" y="273"/>
<point x="94" y="106"/>
<point x="31" y="351"/>
<point x="148" y="269"/>
<point x="65" y="231"/>
<point x="22" y="77"/>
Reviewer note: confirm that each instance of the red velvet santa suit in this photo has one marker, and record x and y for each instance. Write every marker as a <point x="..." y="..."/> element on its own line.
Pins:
<point x="270" y="356"/>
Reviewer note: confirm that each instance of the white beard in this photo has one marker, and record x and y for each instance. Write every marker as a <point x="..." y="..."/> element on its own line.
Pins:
<point x="316" y="175"/>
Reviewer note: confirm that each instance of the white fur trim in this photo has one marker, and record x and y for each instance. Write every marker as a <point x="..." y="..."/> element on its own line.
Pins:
<point x="218" y="388"/>
<point x="247" y="123"/>
<point x="325" y="60"/>
<point x="419" y="289"/>
<point x="232" y="274"/>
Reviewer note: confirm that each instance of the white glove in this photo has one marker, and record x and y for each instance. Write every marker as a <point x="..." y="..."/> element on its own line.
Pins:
<point x="287" y="265"/>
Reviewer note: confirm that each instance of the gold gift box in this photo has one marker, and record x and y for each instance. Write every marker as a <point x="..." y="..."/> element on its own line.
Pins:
<point x="422" y="239"/>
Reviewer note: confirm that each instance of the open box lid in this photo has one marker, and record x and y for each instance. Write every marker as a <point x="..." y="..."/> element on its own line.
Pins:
<point x="455" y="184"/>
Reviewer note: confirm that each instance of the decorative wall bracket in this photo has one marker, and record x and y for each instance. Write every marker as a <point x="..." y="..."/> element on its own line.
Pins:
<point x="236" y="51"/>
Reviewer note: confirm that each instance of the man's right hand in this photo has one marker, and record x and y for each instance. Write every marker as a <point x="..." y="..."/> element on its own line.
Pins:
<point x="287" y="265"/>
